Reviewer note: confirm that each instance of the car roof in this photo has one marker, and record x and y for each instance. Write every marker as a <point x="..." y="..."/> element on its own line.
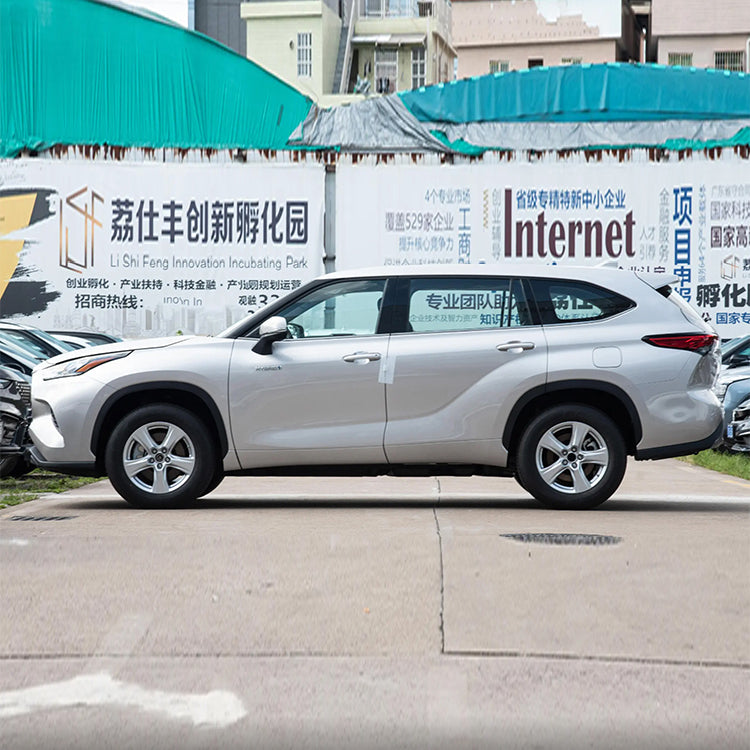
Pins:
<point x="584" y="273"/>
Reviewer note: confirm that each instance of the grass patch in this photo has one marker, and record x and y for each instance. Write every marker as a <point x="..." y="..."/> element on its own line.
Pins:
<point x="735" y="464"/>
<point x="17" y="490"/>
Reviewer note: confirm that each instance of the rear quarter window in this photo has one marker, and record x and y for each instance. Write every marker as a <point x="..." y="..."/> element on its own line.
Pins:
<point x="562" y="301"/>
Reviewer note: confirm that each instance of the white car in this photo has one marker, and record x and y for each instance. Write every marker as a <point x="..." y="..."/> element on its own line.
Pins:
<point x="552" y="375"/>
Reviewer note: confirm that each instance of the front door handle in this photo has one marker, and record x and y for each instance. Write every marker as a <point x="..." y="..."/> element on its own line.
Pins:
<point x="362" y="357"/>
<point x="516" y="346"/>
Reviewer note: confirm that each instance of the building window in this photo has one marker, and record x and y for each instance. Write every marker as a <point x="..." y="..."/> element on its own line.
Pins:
<point x="499" y="66"/>
<point x="730" y="61"/>
<point x="304" y="54"/>
<point x="417" y="67"/>
<point x="572" y="60"/>
<point x="685" y="59"/>
<point x="386" y="70"/>
<point x="536" y="62"/>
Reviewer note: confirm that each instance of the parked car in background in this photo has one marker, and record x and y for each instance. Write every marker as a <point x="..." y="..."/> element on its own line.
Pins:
<point x="736" y="352"/>
<point x="87" y="338"/>
<point x="738" y="430"/>
<point x="39" y="342"/>
<point x="15" y="413"/>
<point x="732" y="388"/>
<point x="72" y="341"/>
<point x="554" y="376"/>
<point x="17" y="358"/>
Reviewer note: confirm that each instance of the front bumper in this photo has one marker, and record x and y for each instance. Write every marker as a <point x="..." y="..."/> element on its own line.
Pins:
<point x="14" y="439"/>
<point x="77" y="469"/>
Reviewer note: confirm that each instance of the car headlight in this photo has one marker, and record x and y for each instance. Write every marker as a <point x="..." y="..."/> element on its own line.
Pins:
<point x="724" y="382"/>
<point x="79" y="366"/>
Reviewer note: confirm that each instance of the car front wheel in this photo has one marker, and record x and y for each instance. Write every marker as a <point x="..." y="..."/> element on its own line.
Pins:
<point x="160" y="456"/>
<point x="571" y="457"/>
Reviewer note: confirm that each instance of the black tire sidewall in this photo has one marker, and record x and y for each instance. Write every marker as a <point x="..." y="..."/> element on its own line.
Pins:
<point x="8" y="465"/>
<point x="532" y="482"/>
<point x="195" y="429"/>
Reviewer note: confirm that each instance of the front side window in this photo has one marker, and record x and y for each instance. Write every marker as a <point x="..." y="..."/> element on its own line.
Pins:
<point x="304" y="54"/>
<point x="345" y="308"/>
<point x="576" y="301"/>
<point x="466" y="304"/>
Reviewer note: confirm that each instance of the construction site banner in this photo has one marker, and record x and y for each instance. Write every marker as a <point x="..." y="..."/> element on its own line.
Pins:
<point x="149" y="249"/>
<point x="690" y="219"/>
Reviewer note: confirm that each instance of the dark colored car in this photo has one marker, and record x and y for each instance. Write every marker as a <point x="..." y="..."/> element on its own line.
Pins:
<point x="15" y="413"/>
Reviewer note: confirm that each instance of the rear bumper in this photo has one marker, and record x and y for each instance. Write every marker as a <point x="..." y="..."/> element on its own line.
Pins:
<point x="681" y="449"/>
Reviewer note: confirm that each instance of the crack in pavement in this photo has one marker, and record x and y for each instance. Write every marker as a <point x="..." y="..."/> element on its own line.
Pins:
<point x="442" y="580"/>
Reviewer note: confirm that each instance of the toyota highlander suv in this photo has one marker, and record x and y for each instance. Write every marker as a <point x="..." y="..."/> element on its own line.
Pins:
<point x="551" y="375"/>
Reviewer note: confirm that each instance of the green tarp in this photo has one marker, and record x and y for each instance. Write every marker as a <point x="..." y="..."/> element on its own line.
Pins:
<point x="579" y="107"/>
<point x="92" y="73"/>
<point x="591" y="93"/>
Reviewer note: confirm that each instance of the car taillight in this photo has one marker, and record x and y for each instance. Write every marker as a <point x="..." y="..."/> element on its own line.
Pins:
<point x="692" y="342"/>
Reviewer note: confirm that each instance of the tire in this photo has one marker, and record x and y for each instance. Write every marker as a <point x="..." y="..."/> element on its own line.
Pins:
<point x="8" y="465"/>
<point x="160" y="456"/>
<point x="562" y="478"/>
<point x="21" y="468"/>
<point x="216" y="479"/>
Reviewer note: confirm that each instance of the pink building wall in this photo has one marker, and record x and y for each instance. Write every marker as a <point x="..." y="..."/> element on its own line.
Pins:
<point x="516" y="32"/>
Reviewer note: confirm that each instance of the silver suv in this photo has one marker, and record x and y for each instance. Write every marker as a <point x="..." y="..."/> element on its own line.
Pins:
<point x="554" y="376"/>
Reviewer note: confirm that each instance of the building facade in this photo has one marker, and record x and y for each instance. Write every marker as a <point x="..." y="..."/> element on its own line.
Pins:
<point x="403" y="44"/>
<point x="334" y="48"/>
<point x="499" y="35"/>
<point x="700" y="34"/>
<point x="297" y="40"/>
<point x="220" y="19"/>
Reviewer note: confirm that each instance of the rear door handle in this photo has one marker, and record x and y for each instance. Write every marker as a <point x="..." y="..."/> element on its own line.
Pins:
<point x="516" y="346"/>
<point x="362" y="357"/>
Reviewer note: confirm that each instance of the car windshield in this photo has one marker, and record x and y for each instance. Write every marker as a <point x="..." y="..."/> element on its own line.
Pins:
<point x="21" y="346"/>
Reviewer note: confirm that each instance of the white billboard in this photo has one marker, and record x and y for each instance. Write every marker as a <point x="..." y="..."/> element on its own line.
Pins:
<point x="154" y="249"/>
<point x="691" y="219"/>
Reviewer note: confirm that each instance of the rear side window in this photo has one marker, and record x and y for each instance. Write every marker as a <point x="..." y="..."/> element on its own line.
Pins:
<point x="562" y="301"/>
<point x="465" y="304"/>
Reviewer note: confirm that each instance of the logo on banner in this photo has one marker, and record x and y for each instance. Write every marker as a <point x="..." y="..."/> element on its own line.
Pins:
<point x="79" y="220"/>
<point x="730" y="267"/>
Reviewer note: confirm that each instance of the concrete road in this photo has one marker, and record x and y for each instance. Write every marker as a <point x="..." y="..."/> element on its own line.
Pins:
<point x="380" y="612"/>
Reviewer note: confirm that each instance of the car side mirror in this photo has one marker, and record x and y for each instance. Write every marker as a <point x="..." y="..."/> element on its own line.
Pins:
<point x="271" y="330"/>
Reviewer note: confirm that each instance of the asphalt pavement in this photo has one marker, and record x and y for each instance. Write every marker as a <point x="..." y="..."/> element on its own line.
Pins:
<point x="389" y="612"/>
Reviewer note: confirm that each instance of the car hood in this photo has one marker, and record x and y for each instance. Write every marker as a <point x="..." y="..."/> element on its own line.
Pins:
<point x="120" y="346"/>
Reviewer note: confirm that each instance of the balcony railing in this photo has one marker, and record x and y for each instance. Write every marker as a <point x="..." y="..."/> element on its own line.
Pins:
<point x="406" y="9"/>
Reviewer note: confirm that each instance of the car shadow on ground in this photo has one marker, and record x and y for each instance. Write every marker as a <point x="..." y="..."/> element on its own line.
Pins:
<point x="612" y="506"/>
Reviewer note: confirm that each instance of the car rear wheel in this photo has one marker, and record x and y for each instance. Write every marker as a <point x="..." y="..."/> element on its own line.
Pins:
<point x="160" y="456"/>
<point x="571" y="457"/>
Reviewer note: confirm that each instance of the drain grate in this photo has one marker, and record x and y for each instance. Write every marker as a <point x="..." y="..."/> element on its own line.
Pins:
<point x="596" y="540"/>
<point x="41" y="518"/>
